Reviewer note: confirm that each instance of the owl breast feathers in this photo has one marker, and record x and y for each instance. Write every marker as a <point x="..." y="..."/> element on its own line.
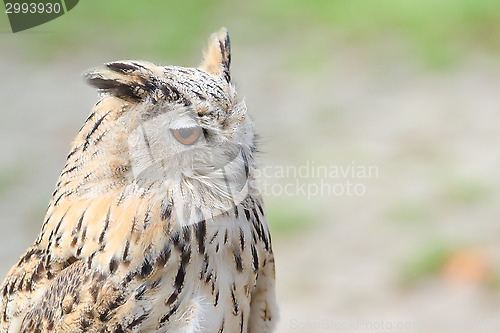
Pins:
<point x="155" y="224"/>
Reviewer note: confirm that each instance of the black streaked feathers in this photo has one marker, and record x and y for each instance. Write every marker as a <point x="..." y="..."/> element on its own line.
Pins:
<point x="131" y="80"/>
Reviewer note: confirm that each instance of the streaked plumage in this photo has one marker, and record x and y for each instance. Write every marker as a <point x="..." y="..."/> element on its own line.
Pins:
<point x="155" y="224"/>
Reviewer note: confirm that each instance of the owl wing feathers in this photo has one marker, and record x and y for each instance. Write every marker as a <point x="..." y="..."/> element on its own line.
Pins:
<point x="81" y="299"/>
<point x="21" y="281"/>
<point x="77" y="283"/>
<point x="61" y="295"/>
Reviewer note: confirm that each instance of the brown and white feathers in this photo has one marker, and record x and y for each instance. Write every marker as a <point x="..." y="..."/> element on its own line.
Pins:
<point x="155" y="224"/>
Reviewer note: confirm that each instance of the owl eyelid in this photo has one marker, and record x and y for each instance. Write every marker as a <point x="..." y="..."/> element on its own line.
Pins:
<point x="183" y="122"/>
<point x="186" y="126"/>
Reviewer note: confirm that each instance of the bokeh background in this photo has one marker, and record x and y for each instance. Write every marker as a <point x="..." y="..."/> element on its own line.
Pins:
<point x="409" y="89"/>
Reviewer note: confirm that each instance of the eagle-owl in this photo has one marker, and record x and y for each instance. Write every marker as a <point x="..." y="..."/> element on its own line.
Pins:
<point x="155" y="223"/>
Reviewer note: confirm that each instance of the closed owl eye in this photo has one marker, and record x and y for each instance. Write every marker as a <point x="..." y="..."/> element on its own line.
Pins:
<point x="187" y="135"/>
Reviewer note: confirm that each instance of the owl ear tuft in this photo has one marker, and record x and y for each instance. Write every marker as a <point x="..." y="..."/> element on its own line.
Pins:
<point x="217" y="58"/>
<point x="124" y="79"/>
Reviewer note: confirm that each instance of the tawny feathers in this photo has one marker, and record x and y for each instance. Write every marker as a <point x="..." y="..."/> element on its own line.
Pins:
<point x="155" y="224"/>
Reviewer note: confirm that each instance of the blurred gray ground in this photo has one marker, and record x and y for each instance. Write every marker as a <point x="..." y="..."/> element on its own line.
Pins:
<point x="434" y="137"/>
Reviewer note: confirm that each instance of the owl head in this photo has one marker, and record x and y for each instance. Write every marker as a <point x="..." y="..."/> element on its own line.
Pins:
<point x="179" y="130"/>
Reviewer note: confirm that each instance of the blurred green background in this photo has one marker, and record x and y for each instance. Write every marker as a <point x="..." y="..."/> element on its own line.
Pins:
<point x="408" y="87"/>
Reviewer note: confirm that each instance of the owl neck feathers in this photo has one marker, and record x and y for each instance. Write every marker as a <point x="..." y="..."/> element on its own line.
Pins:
<point x="125" y="224"/>
<point x="96" y="163"/>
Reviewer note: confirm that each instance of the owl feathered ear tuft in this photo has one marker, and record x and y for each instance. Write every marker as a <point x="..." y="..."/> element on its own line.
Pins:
<point x="124" y="79"/>
<point x="217" y="58"/>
